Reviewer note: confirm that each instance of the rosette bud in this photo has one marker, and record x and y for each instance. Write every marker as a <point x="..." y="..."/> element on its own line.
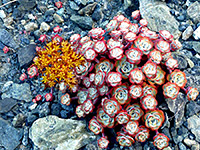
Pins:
<point x="135" y="91"/>
<point x="142" y="134"/>
<point x="124" y="140"/>
<point x="160" y="141"/>
<point x="148" y="102"/>
<point x="95" y="126"/>
<point x="192" y="93"/>
<point x="170" y="90"/>
<point x="132" y="127"/>
<point x="65" y="99"/>
<point x="87" y="107"/>
<point x="111" y="107"/>
<point x="135" y="111"/>
<point x="103" y="142"/>
<point x="122" y="117"/>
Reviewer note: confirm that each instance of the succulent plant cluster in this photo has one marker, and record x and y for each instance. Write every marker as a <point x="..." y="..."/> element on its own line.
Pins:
<point x="125" y="65"/>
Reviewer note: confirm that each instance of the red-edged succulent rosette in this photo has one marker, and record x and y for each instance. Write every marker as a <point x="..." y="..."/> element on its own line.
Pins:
<point x="120" y="93"/>
<point x="112" y="43"/>
<point x="124" y="67"/>
<point x="175" y="45"/>
<point x="134" y="111"/>
<point x="74" y="39"/>
<point x="144" y="44"/>
<point x="135" y="14"/>
<point x="178" y="77"/>
<point x="112" y="25"/>
<point x="192" y="93"/>
<point x="148" y="33"/>
<point x="163" y="46"/>
<point x="136" y="76"/>
<point x="57" y="38"/>
<point x="95" y="126"/>
<point x="100" y="46"/>
<point x="65" y="99"/>
<point x="104" y="65"/>
<point x="84" y="40"/>
<point x="150" y="69"/>
<point x="32" y="71"/>
<point x="96" y="33"/>
<point x="99" y="78"/>
<point x="90" y="54"/>
<point x="87" y="106"/>
<point x="154" y="119"/>
<point x="42" y="38"/>
<point x="116" y="53"/>
<point x="91" y="77"/>
<point x="105" y="119"/>
<point x="103" y="142"/>
<point x="103" y="90"/>
<point x="82" y="96"/>
<point x="130" y="36"/>
<point x="87" y="45"/>
<point x="143" y="134"/>
<point x="148" y="102"/>
<point x="122" y="117"/>
<point x="124" y="140"/>
<point x="155" y="56"/>
<point x="149" y="89"/>
<point x="159" y="78"/>
<point x="38" y="97"/>
<point x="143" y="22"/>
<point x="135" y="91"/>
<point x="120" y="18"/>
<point x="166" y="56"/>
<point x="79" y="112"/>
<point x="22" y="77"/>
<point x="114" y="78"/>
<point x="48" y="97"/>
<point x="131" y="127"/>
<point x="171" y="63"/>
<point x="166" y="35"/>
<point x="134" y="28"/>
<point x="86" y="82"/>
<point x="115" y="34"/>
<point x="170" y="90"/>
<point x="160" y="141"/>
<point x="123" y="25"/>
<point x="133" y="55"/>
<point x="93" y="92"/>
<point x="84" y="69"/>
<point x="111" y="107"/>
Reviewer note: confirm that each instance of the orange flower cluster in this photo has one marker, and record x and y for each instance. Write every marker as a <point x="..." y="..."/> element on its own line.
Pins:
<point x="56" y="62"/>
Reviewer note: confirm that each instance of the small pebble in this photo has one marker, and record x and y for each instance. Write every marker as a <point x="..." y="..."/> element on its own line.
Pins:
<point x="187" y="33"/>
<point x="44" y="26"/>
<point x="58" y="18"/>
<point x="31" y="26"/>
<point x="2" y="14"/>
<point x="196" y="33"/>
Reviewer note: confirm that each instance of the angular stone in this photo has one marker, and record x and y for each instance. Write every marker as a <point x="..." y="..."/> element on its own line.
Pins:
<point x="193" y="11"/>
<point x="7" y="104"/>
<point x="31" y="26"/>
<point x="7" y="39"/>
<point x="2" y="14"/>
<point x="194" y="126"/>
<point x="26" y="54"/>
<point x="83" y="22"/>
<point x="187" y="33"/>
<point x="17" y="91"/>
<point x="10" y="137"/>
<point x="52" y="132"/>
<point x="88" y="10"/>
<point x="196" y="33"/>
<point x="158" y="16"/>
<point x="44" y="26"/>
<point x="58" y="18"/>
<point x="192" y="108"/>
<point x="26" y="4"/>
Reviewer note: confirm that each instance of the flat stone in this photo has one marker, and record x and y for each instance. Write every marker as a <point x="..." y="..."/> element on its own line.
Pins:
<point x="187" y="33"/>
<point x="192" y="108"/>
<point x="193" y="11"/>
<point x="158" y="16"/>
<point x="55" y="133"/>
<point x="26" y="54"/>
<point x="4" y="70"/>
<point x="26" y="4"/>
<point x="58" y="18"/>
<point x="88" y="10"/>
<point x="31" y="26"/>
<point x="17" y="91"/>
<point x="82" y="22"/>
<point x="194" y="126"/>
<point x="7" y="104"/>
<point x="44" y="26"/>
<point x="7" y="39"/>
<point x="2" y="14"/>
<point x="196" y="33"/>
<point x="10" y="137"/>
<point x="73" y="5"/>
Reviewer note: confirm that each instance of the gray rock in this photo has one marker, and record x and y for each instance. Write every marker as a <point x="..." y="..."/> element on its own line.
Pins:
<point x="44" y="26"/>
<point x="7" y="39"/>
<point x="192" y="108"/>
<point x="182" y="146"/>
<point x="193" y="12"/>
<point x="10" y="137"/>
<point x="26" y="54"/>
<point x="31" y="26"/>
<point x="189" y="142"/>
<point x="4" y="70"/>
<point x="196" y="33"/>
<point x="73" y="5"/>
<point x="2" y="14"/>
<point x="194" y="126"/>
<point x="58" y="18"/>
<point x="82" y="22"/>
<point x="26" y="4"/>
<point x="7" y="104"/>
<point x="44" y="109"/>
<point x="158" y="16"/>
<point x="182" y="61"/>
<point x="187" y="33"/>
<point x="193" y="45"/>
<point x="177" y="106"/>
<point x="52" y="132"/>
<point x="18" y="120"/>
<point x="17" y="91"/>
<point x="88" y="10"/>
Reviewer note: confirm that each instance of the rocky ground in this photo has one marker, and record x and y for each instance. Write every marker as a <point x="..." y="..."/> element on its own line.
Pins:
<point x="26" y="125"/>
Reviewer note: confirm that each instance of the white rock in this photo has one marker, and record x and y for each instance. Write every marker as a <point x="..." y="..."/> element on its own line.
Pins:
<point x="44" y="26"/>
<point x="30" y="16"/>
<point x="2" y="14"/>
<point x="23" y="22"/>
<point x="187" y="33"/>
<point x="31" y="26"/>
<point x="189" y="142"/>
<point x="196" y="34"/>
